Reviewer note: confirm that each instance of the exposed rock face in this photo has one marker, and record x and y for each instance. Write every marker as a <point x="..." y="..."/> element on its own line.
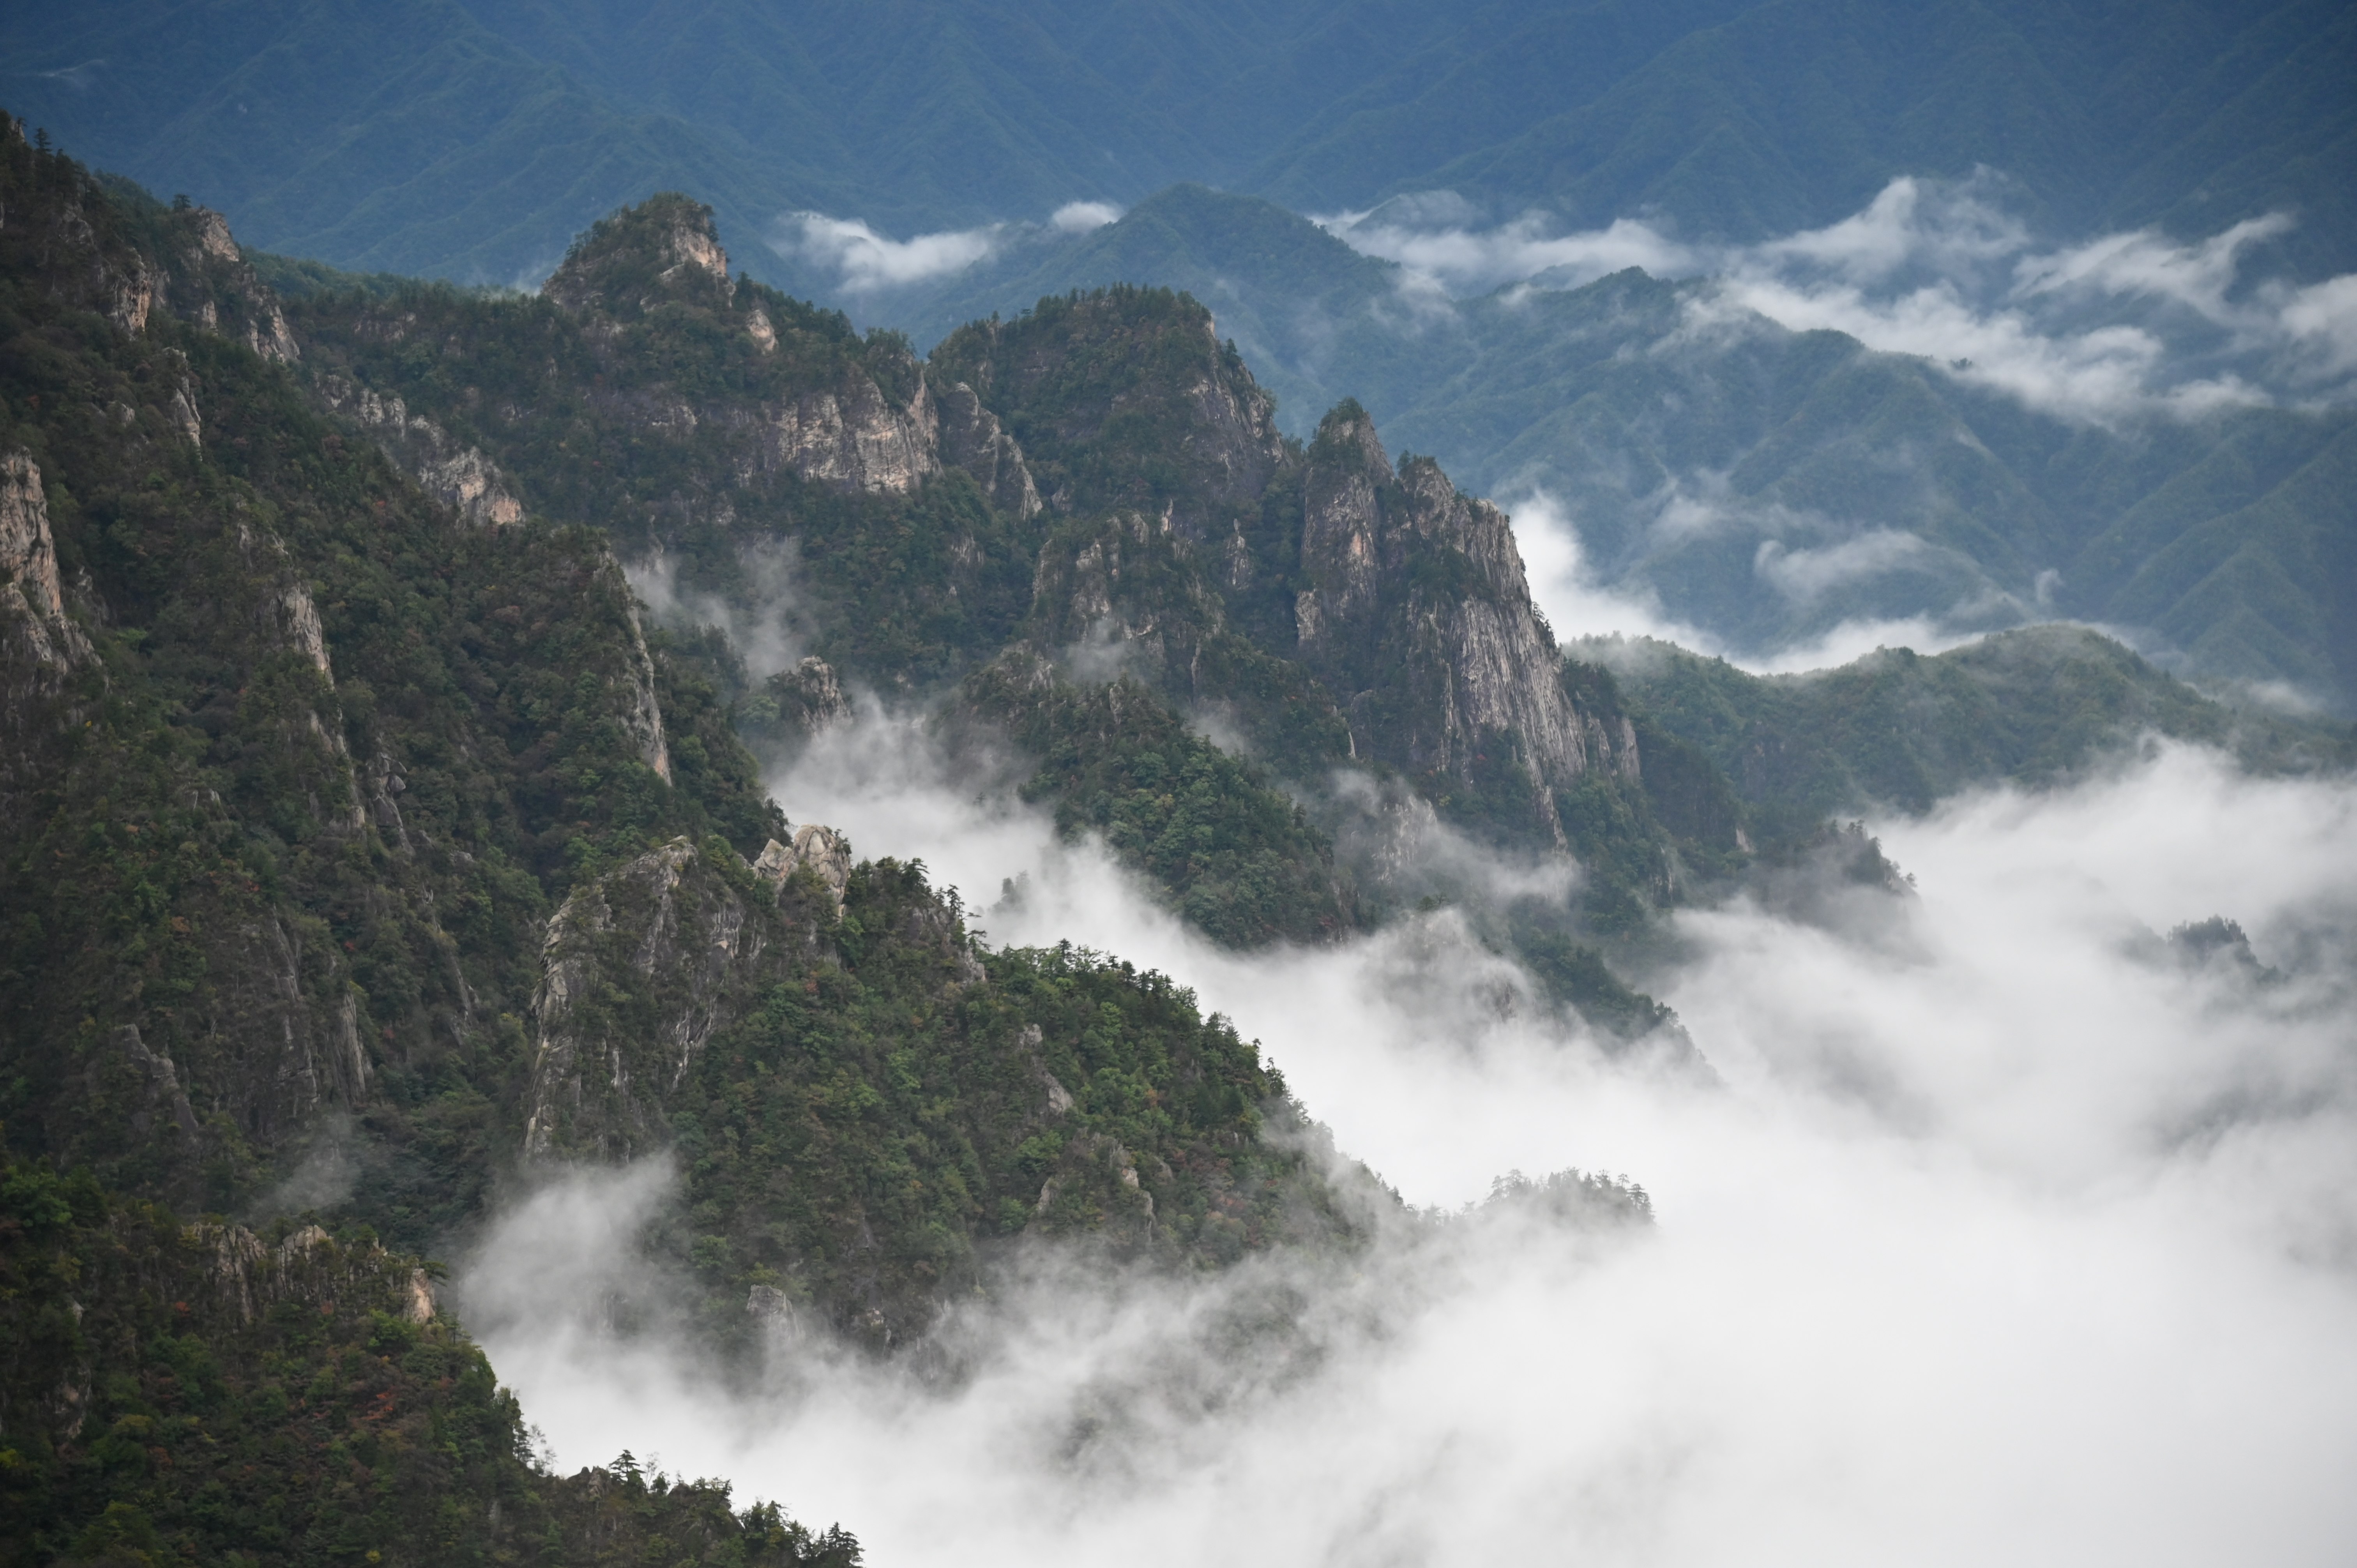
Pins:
<point x="231" y="298"/>
<point x="133" y="297"/>
<point x="182" y="409"/>
<point x="1419" y="616"/>
<point x="641" y="715"/>
<point x="639" y="969"/>
<point x="459" y="477"/>
<point x="1123" y="596"/>
<point x="165" y="1096"/>
<point x="821" y="851"/>
<point x="38" y="642"/>
<point x="972" y="439"/>
<point x="809" y="698"/>
<point x="852" y="439"/>
<point x="250" y="1275"/>
<point x="643" y="965"/>
<point x="665" y="248"/>
<point x="659" y="913"/>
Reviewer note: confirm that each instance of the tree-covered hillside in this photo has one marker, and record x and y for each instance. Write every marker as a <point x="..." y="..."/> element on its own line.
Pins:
<point x="1897" y="730"/>
<point x="311" y="766"/>
<point x="203" y="1394"/>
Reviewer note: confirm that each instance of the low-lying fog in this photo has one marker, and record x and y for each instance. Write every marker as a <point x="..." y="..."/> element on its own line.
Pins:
<point x="2005" y="1236"/>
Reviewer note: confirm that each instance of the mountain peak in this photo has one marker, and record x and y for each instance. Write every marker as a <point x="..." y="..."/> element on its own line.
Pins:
<point x="665" y="248"/>
<point x="1347" y="436"/>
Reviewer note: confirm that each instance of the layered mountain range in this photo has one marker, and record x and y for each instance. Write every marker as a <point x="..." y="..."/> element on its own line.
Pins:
<point x="2161" y="239"/>
<point x="1765" y="483"/>
<point x="472" y="141"/>
<point x="370" y="847"/>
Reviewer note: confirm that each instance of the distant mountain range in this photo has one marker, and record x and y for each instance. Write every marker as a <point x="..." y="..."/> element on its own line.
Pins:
<point x="467" y="140"/>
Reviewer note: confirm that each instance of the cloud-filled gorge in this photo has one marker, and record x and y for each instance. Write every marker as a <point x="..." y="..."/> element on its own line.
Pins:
<point x="2007" y="1231"/>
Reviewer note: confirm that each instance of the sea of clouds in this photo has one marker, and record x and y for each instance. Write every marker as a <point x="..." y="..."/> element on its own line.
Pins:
<point x="2006" y="1232"/>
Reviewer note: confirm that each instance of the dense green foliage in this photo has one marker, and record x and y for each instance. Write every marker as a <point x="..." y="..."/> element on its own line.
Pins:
<point x="1898" y="729"/>
<point x="1100" y="388"/>
<point x="1239" y="858"/>
<point x="595" y="417"/>
<point x="217" y="836"/>
<point x="281" y="850"/>
<point x="469" y="141"/>
<point x="866" y="1133"/>
<point x="172" y="1394"/>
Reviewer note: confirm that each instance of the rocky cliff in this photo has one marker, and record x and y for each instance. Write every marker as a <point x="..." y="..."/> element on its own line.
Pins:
<point x="1416" y="613"/>
<point x="300" y="759"/>
<point x="642" y="965"/>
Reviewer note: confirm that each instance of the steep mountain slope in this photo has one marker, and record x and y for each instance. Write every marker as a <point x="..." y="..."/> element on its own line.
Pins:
<point x="206" y="1395"/>
<point x="297" y="770"/>
<point x="1099" y="474"/>
<point x="472" y="141"/>
<point x="349" y="829"/>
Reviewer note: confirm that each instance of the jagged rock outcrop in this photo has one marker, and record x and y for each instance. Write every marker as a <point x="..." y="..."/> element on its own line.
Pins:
<point x="220" y="290"/>
<point x="810" y="696"/>
<point x="846" y="433"/>
<point x="249" y="1275"/>
<point x="1419" y="616"/>
<point x="39" y="642"/>
<point x="850" y="438"/>
<point x="458" y="475"/>
<point x="820" y="850"/>
<point x="663" y="249"/>
<point x="1123" y="594"/>
<point x="642" y="713"/>
<point x="972" y="439"/>
<point x="641" y="967"/>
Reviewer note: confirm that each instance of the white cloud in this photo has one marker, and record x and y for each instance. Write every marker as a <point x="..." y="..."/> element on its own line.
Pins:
<point x="2147" y="263"/>
<point x="1807" y="574"/>
<point x="1079" y="216"/>
<point x="2099" y="374"/>
<point x="1464" y="260"/>
<point x="764" y="626"/>
<point x="1577" y="604"/>
<point x="2321" y="322"/>
<point x="1911" y="224"/>
<point x="866" y="261"/>
<point x="2006" y="1239"/>
<point x="2123" y="325"/>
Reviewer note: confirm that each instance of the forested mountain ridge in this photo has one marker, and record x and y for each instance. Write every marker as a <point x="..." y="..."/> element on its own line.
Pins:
<point x="1095" y="488"/>
<point x="1099" y="473"/>
<point x="204" y="1393"/>
<point x="2039" y="707"/>
<point x="310" y="764"/>
<point x="348" y="826"/>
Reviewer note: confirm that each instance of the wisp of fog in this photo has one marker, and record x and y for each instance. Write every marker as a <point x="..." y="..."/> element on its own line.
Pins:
<point x="2007" y="1231"/>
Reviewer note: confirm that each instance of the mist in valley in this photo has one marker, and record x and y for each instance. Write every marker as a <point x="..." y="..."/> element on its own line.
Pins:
<point x="2001" y="1225"/>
